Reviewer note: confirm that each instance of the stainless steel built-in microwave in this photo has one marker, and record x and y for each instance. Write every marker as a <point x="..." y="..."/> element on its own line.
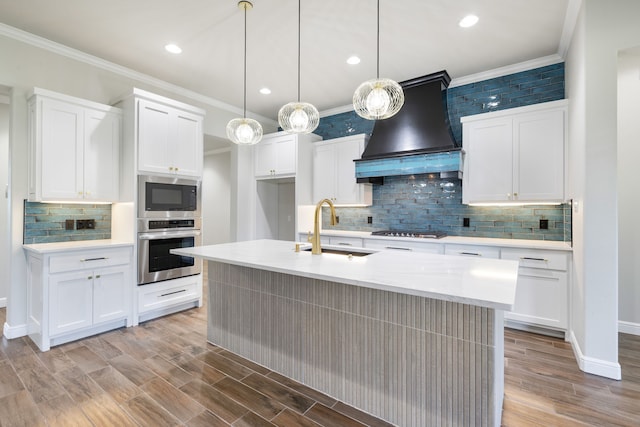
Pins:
<point x="163" y="197"/>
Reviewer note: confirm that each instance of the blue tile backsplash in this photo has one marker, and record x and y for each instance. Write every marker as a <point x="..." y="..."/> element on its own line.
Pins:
<point x="45" y="222"/>
<point x="420" y="203"/>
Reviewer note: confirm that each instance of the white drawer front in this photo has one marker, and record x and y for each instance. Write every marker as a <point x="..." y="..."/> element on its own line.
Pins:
<point x="549" y="260"/>
<point x="152" y="297"/>
<point x="346" y="241"/>
<point x="472" y="251"/>
<point x="403" y="245"/>
<point x="89" y="259"/>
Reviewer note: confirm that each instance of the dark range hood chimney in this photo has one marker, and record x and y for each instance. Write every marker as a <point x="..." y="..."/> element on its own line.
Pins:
<point x="421" y="128"/>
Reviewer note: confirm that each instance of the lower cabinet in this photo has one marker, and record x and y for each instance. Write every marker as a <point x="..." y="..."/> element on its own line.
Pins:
<point x="542" y="295"/>
<point x="161" y="298"/>
<point x="79" y="293"/>
<point x="402" y="245"/>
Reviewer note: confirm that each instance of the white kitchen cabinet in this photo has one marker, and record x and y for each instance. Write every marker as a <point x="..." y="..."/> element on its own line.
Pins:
<point x="168" y="296"/>
<point x="516" y="155"/>
<point x="76" y="293"/>
<point x="74" y="149"/>
<point x="542" y="292"/>
<point x="334" y="171"/>
<point x="276" y="155"/>
<point x="170" y="140"/>
<point x="472" y="251"/>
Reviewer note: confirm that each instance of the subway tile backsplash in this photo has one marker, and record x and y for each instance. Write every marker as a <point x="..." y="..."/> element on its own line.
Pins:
<point x="45" y="222"/>
<point x="418" y="202"/>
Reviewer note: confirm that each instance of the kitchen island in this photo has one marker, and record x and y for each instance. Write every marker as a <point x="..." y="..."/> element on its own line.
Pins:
<point x="413" y="338"/>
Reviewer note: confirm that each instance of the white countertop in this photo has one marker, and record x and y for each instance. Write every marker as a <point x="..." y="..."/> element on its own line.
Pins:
<point x="483" y="282"/>
<point x="47" y="248"/>
<point x="459" y="240"/>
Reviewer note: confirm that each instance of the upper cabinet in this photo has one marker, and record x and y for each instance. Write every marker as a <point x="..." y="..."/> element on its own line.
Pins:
<point x="334" y="171"/>
<point x="74" y="148"/>
<point x="516" y="155"/>
<point x="170" y="139"/>
<point x="280" y="154"/>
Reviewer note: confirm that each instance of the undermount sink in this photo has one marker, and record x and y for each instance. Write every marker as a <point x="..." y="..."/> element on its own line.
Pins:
<point x="347" y="252"/>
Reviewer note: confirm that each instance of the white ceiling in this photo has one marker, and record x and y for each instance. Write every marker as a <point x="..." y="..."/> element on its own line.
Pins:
<point x="417" y="37"/>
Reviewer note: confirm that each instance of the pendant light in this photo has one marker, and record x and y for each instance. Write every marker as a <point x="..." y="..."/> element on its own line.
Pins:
<point x="378" y="98"/>
<point x="298" y="117"/>
<point x="244" y="131"/>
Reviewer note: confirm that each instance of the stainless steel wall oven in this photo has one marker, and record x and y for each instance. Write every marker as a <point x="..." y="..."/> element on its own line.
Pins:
<point x="156" y="237"/>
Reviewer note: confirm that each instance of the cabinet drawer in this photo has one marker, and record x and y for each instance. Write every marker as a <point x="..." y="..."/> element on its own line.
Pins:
<point x="355" y="242"/>
<point x="403" y="245"/>
<point x="550" y="260"/>
<point x="89" y="259"/>
<point x="477" y="251"/>
<point x="166" y="294"/>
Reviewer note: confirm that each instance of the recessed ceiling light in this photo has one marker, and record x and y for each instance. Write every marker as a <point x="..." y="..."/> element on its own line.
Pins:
<point x="265" y="91"/>
<point x="468" y="21"/>
<point x="173" y="48"/>
<point x="353" y="60"/>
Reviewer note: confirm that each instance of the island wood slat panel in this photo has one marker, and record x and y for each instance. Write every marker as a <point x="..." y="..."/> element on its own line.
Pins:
<point x="410" y="360"/>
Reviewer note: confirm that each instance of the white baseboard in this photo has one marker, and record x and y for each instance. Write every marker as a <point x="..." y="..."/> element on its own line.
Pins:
<point x="629" y="327"/>
<point x="595" y="366"/>
<point x="3" y="302"/>
<point x="14" y="331"/>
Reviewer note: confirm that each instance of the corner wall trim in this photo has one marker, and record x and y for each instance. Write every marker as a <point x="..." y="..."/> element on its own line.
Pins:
<point x="3" y="302"/>
<point x="629" y="327"/>
<point x="595" y="366"/>
<point x="14" y="331"/>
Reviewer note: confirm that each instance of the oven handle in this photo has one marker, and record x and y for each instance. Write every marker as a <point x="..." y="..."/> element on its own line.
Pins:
<point x="168" y="235"/>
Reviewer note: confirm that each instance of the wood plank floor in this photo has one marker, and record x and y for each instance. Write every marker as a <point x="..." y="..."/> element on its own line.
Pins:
<point x="163" y="373"/>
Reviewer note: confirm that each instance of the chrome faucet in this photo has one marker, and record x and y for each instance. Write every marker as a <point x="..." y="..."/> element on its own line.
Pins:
<point x="315" y="238"/>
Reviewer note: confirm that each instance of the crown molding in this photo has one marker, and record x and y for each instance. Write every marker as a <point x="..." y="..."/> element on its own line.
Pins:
<point x="60" y="49"/>
<point x="570" y="21"/>
<point x="337" y="110"/>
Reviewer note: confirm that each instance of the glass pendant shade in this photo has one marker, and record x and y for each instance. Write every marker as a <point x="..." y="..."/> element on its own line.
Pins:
<point x="244" y="131"/>
<point x="378" y="99"/>
<point x="298" y="117"/>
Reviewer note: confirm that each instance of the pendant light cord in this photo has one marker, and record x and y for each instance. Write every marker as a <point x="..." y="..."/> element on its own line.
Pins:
<point x="299" y="50"/>
<point x="244" y="105"/>
<point x="378" y="45"/>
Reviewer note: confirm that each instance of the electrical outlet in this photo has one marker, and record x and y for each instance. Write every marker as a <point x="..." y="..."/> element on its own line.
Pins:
<point x="544" y="224"/>
<point x="81" y="224"/>
<point x="90" y="224"/>
<point x="369" y="220"/>
<point x="337" y="219"/>
<point x="465" y="222"/>
<point x="68" y="224"/>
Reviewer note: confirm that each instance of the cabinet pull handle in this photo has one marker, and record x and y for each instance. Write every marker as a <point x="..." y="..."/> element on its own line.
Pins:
<point x="533" y="259"/>
<point x="345" y="244"/>
<point x="470" y="253"/>
<point x="93" y="259"/>
<point x="90" y="277"/>
<point x="171" y="293"/>
<point x="398" y="248"/>
<point x="98" y="276"/>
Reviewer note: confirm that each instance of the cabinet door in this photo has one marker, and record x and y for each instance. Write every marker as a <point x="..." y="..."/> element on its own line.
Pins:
<point x="187" y="152"/>
<point x="110" y="290"/>
<point x="264" y="158"/>
<point x="348" y="191"/>
<point x="154" y="133"/>
<point x="324" y="172"/>
<point x="541" y="298"/>
<point x="539" y="156"/>
<point x="101" y="156"/>
<point x="286" y="155"/>
<point x="70" y="302"/>
<point x="62" y="151"/>
<point x="488" y="175"/>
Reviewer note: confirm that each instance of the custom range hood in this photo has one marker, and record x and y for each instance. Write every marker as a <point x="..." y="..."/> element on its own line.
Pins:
<point x="417" y="140"/>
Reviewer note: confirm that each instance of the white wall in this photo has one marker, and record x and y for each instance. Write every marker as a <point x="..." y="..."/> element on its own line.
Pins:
<point x="628" y="192"/>
<point x="4" y="202"/>
<point x="216" y="198"/>
<point x="603" y="29"/>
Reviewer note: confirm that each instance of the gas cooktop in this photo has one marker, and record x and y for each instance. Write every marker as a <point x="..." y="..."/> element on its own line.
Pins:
<point x="420" y="234"/>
